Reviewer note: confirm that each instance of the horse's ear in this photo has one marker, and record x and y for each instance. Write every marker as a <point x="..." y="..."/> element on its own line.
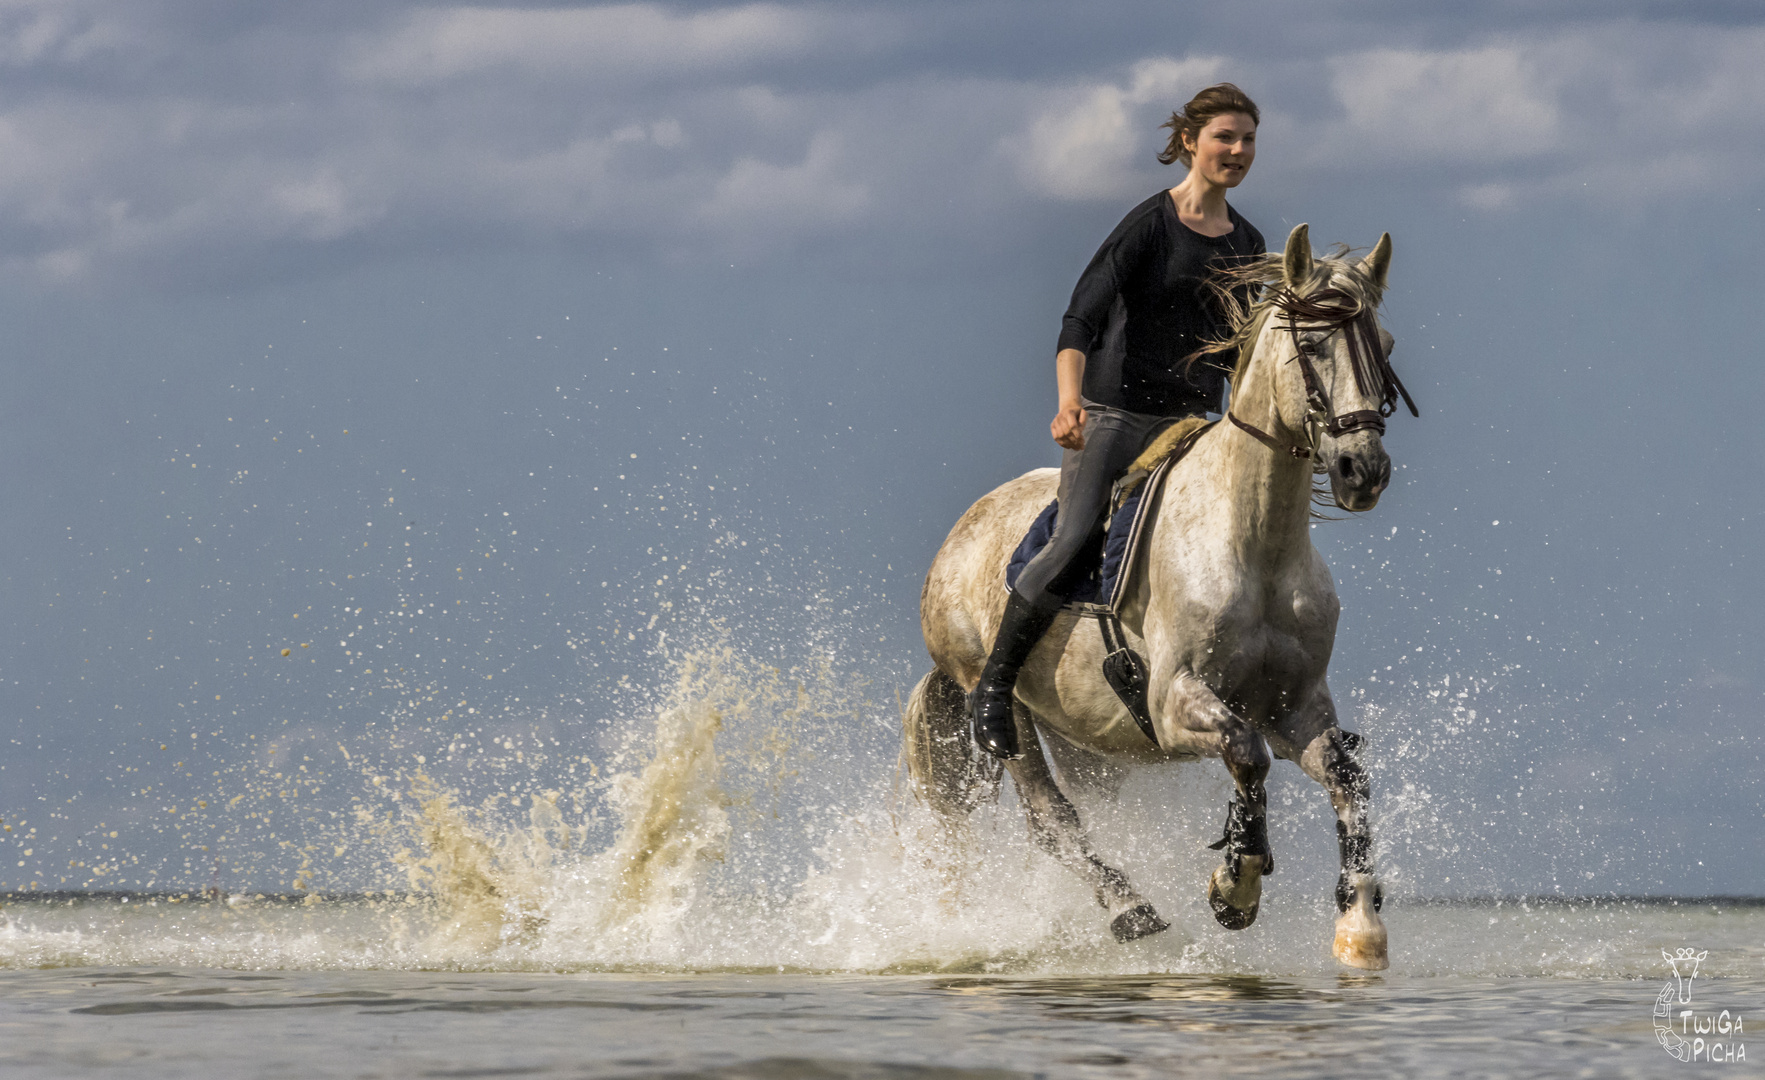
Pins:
<point x="1377" y="264"/>
<point x="1296" y="263"/>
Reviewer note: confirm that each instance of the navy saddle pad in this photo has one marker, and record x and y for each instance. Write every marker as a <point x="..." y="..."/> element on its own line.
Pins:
<point x="1098" y="582"/>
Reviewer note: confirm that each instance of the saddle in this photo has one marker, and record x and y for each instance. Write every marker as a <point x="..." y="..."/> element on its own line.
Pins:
<point x="1100" y="588"/>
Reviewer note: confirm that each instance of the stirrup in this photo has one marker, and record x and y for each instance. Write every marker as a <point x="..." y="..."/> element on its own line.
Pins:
<point x="1125" y="672"/>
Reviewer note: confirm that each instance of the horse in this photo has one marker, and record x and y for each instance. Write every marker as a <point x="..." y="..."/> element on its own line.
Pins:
<point x="1232" y="607"/>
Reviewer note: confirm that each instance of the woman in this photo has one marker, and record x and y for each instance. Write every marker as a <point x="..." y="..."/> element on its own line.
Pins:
<point x="1141" y="311"/>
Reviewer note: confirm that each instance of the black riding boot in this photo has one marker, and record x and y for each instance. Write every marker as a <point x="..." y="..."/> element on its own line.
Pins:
<point x="995" y="729"/>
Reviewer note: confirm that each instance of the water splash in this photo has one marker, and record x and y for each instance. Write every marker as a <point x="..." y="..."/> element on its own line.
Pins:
<point x="752" y="817"/>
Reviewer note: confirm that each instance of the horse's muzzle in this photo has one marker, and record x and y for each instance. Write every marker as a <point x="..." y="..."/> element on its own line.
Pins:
<point x="1359" y="473"/>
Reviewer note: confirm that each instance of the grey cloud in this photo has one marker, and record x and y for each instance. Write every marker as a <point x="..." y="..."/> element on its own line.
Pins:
<point x="620" y="41"/>
<point x="33" y="33"/>
<point x="703" y="130"/>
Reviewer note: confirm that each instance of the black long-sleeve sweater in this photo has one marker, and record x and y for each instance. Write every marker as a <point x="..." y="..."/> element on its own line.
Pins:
<point x="1143" y="306"/>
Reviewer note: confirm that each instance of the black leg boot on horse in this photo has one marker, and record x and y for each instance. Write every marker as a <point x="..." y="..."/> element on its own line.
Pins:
<point x="1024" y="623"/>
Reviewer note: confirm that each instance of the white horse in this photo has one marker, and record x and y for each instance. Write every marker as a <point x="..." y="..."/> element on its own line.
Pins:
<point x="1233" y="608"/>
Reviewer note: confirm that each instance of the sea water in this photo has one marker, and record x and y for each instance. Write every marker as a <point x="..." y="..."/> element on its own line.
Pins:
<point x="724" y="894"/>
<point x="286" y="989"/>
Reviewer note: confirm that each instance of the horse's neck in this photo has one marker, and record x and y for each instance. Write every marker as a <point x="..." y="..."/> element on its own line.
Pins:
<point x="1267" y="492"/>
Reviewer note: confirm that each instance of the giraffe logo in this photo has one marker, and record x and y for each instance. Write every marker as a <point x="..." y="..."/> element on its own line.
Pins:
<point x="1673" y="1025"/>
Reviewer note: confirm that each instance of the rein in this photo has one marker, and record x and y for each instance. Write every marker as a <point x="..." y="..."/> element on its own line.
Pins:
<point x="1336" y="311"/>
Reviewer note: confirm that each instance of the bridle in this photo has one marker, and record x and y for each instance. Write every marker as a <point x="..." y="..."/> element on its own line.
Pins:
<point x="1335" y="310"/>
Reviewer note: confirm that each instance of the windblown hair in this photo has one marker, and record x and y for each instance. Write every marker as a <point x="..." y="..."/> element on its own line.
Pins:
<point x="1216" y="100"/>
<point x="1250" y="293"/>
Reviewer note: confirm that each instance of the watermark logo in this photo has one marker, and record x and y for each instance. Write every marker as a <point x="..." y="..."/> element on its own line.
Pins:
<point x="1683" y="1031"/>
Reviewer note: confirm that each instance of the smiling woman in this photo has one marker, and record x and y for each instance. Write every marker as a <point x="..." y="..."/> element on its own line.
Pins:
<point x="1221" y="102"/>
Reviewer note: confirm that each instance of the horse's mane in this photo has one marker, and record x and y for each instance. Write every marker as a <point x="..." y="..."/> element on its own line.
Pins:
<point x="1253" y="291"/>
<point x="1250" y="294"/>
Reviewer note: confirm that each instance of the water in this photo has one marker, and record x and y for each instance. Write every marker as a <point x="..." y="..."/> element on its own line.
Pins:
<point x="734" y="891"/>
<point x="271" y="989"/>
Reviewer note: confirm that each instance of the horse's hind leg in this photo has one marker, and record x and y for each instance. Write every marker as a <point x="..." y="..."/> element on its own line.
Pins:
<point x="947" y="770"/>
<point x="1054" y="825"/>
<point x="1084" y="775"/>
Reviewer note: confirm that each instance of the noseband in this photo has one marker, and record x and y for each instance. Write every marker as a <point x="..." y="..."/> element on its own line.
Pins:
<point x="1335" y="310"/>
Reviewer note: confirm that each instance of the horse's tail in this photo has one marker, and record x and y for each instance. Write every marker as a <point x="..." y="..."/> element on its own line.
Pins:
<point x="948" y="771"/>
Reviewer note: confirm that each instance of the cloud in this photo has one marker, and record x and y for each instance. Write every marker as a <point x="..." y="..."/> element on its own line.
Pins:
<point x="1486" y="104"/>
<point x="1090" y="141"/>
<point x="620" y="41"/>
<point x="36" y="33"/>
<point x="756" y="196"/>
<point x="1619" y="114"/>
<point x="139" y="149"/>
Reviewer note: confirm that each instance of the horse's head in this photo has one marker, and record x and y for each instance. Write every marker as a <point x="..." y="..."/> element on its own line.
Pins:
<point x="1326" y="313"/>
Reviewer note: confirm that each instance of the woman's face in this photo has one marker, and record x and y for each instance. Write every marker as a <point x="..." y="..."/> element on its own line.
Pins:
<point x="1225" y="149"/>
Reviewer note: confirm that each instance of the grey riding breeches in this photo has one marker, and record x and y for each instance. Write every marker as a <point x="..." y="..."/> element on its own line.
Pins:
<point x="1113" y="439"/>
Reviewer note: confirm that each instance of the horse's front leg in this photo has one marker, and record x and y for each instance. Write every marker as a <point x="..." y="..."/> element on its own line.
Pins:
<point x="1190" y="718"/>
<point x="1331" y="756"/>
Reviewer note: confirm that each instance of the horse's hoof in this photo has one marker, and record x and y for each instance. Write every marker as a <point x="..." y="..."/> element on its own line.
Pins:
<point x="1362" y="949"/>
<point x="1360" y="933"/>
<point x="1136" y="923"/>
<point x="1235" y="903"/>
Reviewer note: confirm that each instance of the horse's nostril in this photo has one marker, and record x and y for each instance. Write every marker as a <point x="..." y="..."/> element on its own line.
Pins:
<point x="1345" y="468"/>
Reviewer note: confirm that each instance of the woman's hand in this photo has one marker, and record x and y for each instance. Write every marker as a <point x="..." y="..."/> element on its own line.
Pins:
<point x="1068" y="427"/>
<point x="1069" y="423"/>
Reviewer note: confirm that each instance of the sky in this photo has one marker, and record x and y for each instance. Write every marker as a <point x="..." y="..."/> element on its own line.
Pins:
<point x="514" y="351"/>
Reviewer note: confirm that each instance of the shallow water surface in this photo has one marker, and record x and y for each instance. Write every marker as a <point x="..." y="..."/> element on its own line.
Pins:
<point x="1459" y="1001"/>
<point x="153" y="1023"/>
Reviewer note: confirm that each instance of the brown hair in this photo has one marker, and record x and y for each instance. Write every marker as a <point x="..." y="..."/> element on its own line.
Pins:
<point x="1216" y="100"/>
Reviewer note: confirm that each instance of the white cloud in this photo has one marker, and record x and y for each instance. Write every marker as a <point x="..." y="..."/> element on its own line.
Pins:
<point x="1098" y="141"/>
<point x="322" y="206"/>
<point x="624" y="40"/>
<point x="1619" y="114"/>
<point x="1486" y="104"/>
<point x="756" y="197"/>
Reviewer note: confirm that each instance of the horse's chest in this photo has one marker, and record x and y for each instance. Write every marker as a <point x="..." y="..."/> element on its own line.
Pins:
<point x="1267" y="644"/>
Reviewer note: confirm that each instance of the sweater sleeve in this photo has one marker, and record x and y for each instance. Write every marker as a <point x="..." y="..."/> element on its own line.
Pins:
<point x="1088" y="313"/>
